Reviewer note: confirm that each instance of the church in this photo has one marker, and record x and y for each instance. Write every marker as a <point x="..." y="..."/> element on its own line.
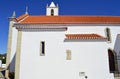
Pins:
<point x="63" y="47"/>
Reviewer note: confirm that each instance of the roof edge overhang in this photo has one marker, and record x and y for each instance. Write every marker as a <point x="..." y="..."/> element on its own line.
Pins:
<point x="85" y="40"/>
<point x="40" y="27"/>
<point x="57" y="25"/>
<point x="66" y="24"/>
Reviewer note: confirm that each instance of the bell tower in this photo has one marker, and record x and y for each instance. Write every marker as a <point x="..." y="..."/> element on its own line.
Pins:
<point x="52" y="10"/>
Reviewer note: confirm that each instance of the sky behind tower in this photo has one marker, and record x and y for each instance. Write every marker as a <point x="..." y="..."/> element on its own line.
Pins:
<point x="66" y="7"/>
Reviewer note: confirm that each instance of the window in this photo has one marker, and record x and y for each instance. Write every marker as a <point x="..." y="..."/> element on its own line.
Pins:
<point x="108" y="34"/>
<point x="52" y="12"/>
<point x="42" y="48"/>
<point x="111" y="60"/>
<point x="68" y="54"/>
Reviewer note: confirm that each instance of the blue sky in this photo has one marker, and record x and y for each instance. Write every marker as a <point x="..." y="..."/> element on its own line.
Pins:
<point x="66" y="7"/>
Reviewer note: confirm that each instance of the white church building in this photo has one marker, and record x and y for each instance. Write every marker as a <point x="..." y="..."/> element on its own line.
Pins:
<point x="63" y="47"/>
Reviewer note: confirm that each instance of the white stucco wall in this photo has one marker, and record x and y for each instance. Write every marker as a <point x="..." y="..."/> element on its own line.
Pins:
<point x="13" y="49"/>
<point x="88" y="57"/>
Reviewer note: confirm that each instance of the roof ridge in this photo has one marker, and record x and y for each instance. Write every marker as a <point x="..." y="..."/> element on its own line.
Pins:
<point x="22" y="17"/>
<point x="69" y="19"/>
<point x="75" y="16"/>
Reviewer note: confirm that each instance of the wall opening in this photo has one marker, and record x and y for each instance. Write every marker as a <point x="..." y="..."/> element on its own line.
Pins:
<point x="111" y="61"/>
<point x="52" y="12"/>
<point x="42" y="48"/>
<point x="108" y="34"/>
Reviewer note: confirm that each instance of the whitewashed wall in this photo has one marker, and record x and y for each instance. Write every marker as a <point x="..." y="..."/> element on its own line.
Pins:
<point x="88" y="57"/>
<point x="99" y="30"/>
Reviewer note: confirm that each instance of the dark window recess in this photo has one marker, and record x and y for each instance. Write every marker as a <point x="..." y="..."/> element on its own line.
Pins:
<point x="43" y="48"/>
<point x="111" y="61"/>
<point x="108" y="34"/>
<point x="52" y="12"/>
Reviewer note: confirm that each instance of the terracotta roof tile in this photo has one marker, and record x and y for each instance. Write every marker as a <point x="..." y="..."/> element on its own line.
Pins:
<point x="69" y="19"/>
<point x="84" y="36"/>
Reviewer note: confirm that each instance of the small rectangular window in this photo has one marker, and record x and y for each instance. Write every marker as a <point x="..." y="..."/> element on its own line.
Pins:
<point x="68" y="54"/>
<point x="108" y="34"/>
<point x="42" y="48"/>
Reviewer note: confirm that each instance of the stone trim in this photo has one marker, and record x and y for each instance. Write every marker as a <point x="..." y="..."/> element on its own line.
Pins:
<point x="40" y="26"/>
<point x="18" y="51"/>
<point x="9" y="50"/>
<point x="68" y="55"/>
<point x="44" y="30"/>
